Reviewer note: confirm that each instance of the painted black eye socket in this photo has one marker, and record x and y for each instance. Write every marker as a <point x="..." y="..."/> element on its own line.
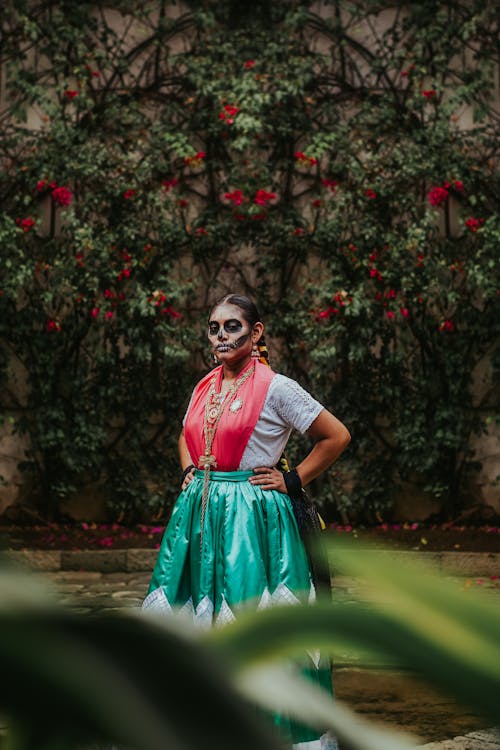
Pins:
<point x="230" y="326"/>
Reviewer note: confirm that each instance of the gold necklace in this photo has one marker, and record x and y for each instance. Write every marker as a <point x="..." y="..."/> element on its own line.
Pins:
<point x="214" y="409"/>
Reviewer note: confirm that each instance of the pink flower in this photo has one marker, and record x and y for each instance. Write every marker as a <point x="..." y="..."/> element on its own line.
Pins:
<point x="236" y="197"/>
<point x="371" y="194"/>
<point x="62" y="195"/>
<point x="129" y="193"/>
<point x="389" y="314"/>
<point x="248" y="64"/>
<point x="429" y="93"/>
<point x="437" y="195"/>
<point x="109" y="314"/>
<point x="473" y="224"/>
<point x="262" y="197"/>
<point x="70" y="94"/>
<point x="26" y="223"/>
<point x="404" y="311"/>
<point x="95" y="312"/>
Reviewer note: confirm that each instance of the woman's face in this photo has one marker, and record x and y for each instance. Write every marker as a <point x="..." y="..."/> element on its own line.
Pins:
<point x="229" y="334"/>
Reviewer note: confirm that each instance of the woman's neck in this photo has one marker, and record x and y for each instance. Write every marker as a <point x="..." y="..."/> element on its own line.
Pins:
<point x="231" y="371"/>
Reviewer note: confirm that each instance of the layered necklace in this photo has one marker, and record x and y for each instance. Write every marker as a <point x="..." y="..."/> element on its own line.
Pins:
<point x="214" y="408"/>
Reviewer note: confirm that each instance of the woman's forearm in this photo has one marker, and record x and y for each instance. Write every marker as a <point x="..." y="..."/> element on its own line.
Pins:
<point x="332" y="438"/>
<point x="184" y="456"/>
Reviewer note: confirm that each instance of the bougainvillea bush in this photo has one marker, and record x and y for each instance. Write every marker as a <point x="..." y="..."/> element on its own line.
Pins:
<point x="338" y="164"/>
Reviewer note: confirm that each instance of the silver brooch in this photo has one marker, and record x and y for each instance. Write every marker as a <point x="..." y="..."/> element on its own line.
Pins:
<point x="236" y="405"/>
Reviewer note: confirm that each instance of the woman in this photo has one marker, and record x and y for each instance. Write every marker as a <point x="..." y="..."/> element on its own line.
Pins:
<point x="232" y="541"/>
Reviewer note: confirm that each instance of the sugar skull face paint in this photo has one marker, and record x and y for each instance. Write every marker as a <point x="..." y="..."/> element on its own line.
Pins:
<point x="231" y="335"/>
<point x="225" y="336"/>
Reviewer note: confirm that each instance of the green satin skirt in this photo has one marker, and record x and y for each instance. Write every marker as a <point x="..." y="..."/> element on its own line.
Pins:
<point x="249" y="555"/>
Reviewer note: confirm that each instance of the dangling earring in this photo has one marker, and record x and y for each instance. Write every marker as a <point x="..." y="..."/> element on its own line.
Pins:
<point x="216" y="360"/>
<point x="255" y="351"/>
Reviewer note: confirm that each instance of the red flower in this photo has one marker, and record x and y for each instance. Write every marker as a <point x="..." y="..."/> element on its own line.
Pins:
<point x="109" y="315"/>
<point x="389" y="314"/>
<point x="201" y="231"/>
<point x="316" y="203"/>
<point x="371" y="194"/>
<point x="437" y="195"/>
<point x="182" y="202"/>
<point x="297" y="232"/>
<point x="375" y="274"/>
<point x="458" y="185"/>
<point x="330" y="184"/>
<point x="429" y="93"/>
<point x="404" y="73"/>
<point x="41" y="185"/>
<point x="404" y="311"/>
<point x="228" y="114"/>
<point x="109" y="294"/>
<point x="473" y="224"/>
<point x="129" y="193"/>
<point x="124" y="274"/>
<point x="173" y="313"/>
<point x="248" y="64"/>
<point x="169" y="184"/>
<point x="62" y="195"/>
<point x="53" y="325"/>
<point x="26" y="223"/>
<point x="79" y="259"/>
<point x="304" y="159"/>
<point x="325" y="313"/>
<point x="196" y="159"/>
<point x="95" y="312"/>
<point x="236" y="197"/>
<point x="446" y="325"/>
<point x="70" y="94"/>
<point x="262" y="197"/>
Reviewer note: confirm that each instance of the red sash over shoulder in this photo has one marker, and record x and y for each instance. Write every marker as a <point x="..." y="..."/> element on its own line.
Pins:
<point x="235" y="427"/>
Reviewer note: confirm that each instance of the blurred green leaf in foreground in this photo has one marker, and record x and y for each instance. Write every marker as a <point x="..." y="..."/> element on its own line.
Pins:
<point x="159" y="684"/>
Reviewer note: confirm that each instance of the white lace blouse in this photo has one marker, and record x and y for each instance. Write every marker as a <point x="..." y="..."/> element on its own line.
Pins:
<point x="287" y="407"/>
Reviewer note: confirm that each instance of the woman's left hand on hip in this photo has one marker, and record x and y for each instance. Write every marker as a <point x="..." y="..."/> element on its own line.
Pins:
<point x="268" y="478"/>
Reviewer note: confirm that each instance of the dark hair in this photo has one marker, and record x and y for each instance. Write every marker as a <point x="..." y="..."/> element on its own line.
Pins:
<point x="249" y="308"/>
<point x="250" y="314"/>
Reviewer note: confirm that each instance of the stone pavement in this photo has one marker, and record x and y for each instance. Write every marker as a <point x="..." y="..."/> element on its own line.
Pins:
<point x="92" y="591"/>
<point x="484" y="740"/>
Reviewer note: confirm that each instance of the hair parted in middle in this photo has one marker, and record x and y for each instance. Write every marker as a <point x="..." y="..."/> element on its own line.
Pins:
<point x="251" y="316"/>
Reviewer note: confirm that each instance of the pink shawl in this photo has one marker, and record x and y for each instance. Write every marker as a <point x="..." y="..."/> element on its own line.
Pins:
<point x="235" y="427"/>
